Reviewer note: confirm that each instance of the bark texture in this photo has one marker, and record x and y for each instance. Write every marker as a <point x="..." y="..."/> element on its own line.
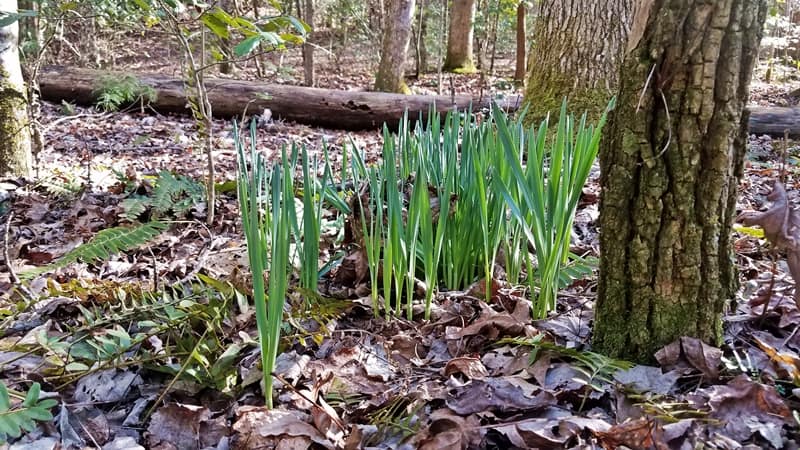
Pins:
<point x="15" y="143"/>
<point x="460" y="37"/>
<point x="396" y="36"/>
<point x="670" y="167"/>
<point x="577" y="50"/>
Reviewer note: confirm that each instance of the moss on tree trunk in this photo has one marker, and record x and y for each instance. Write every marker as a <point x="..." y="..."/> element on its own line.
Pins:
<point x="577" y="49"/>
<point x="670" y="166"/>
<point x="396" y="37"/>
<point x="459" y="39"/>
<point x="15" y="143"/>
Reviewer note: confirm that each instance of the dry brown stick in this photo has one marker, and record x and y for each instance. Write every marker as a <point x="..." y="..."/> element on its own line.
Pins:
<point x="6" y="257"/>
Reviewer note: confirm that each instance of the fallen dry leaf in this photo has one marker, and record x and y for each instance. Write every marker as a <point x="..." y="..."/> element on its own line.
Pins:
<point x="259" y="427"/>
<point x="688" y="352"/>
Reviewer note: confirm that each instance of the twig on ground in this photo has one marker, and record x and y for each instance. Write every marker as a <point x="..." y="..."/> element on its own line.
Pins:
<point x="6" y="257"/>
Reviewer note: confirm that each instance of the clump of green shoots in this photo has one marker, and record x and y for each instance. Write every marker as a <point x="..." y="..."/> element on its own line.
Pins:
<point x="449" y="194"/>
<point x="266" y="201"/>
<point x="543" y="193"/>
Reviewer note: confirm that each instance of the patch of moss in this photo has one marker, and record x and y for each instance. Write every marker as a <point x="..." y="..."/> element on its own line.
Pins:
<point x="545" y="96"/>
<point x="15" y="150"/>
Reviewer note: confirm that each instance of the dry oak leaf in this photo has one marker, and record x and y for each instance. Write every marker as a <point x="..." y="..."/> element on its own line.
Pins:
<point x="259" y="427"/>
<point x="691" y="352"/>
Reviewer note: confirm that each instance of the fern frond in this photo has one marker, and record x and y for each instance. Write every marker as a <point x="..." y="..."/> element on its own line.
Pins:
<point x="601" y="365"/>
<point x="176" y="193"/>
<point x="106" y="243"/>
<point x="14" y="419"/>
<point x="134" y="207"/>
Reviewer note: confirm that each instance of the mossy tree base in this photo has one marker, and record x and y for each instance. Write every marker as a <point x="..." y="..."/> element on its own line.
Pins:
<point x="15" y="143"/>
<point x="670" y="167"/>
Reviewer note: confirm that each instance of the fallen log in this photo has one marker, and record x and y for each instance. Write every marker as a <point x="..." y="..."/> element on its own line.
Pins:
<point x="774" y="120"/>
<point x="329" y="108"/>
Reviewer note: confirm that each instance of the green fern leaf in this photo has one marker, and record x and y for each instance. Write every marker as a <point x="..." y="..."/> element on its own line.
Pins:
<point x="134" y="207"/>
<point x="15" y="420"/>
<point x="106" y="243"/>
<point x="176" y="193"/>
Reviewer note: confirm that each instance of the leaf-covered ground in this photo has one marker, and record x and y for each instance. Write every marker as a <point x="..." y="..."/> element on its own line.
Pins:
<point x="154" y="347"/>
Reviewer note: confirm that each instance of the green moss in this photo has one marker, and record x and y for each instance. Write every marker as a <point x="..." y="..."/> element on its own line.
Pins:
<point x="15" y="148"/>
<point x="468" y="69"/>
<point x="544" y="96"/>
<point x="467" y="66"/>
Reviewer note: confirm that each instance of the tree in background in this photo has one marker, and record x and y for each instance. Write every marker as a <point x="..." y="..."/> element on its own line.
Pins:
<point x="460" y="37"/>
<point x="308" y="49"/>
<point x="396" y="36"/>
<point x="578" y="47"/>
<point x="670" y="167"/>
<point x="519" y="70"/>
<point x="15" y="143"/>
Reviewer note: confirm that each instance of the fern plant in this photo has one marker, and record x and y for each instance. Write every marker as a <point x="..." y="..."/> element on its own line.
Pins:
<point x="113" y="92"/>
<point x="104" y="244"/>
<point x="14" y="419"/>
<point x="594" y="367"/>
<point x="172" y="193"/>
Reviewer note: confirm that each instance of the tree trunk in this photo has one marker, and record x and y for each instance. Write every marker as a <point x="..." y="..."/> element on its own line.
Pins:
<point x="459" y="40"/>
<point x="577" y="50"/>
<point x="670" y="167"/>
<point x="421" y="52"/>
<point x="15" y="143"/>
<point x="396" y="36"/>
<point x="308" y="49"/>
<point x="519" y="72"/>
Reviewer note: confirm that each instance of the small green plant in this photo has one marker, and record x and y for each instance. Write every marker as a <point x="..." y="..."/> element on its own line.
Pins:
<point x="171" y="193"/>
<point x="398" y="417"/>
<point x="16" y="418"/>
<point x="104" y="244"/>
<point x="266" y="204"/>
<point x="113" y="92"/>
<point x="594" y="367"/>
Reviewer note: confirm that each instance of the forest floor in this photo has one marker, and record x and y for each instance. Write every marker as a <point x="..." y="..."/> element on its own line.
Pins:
<point x="347" y="379"/>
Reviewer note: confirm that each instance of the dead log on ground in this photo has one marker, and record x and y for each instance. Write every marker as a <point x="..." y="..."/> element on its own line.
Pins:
<point x="774" y="120"/>
<point x="230" y="98"/>
<point x="330" y="108"/>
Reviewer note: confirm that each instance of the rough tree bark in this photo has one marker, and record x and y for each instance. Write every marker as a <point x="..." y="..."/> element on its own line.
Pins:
<point x="15" y="143"/>
<point x="396" y="36"/>
<point x="670" y="167"/>
<point x="578" y="47"/>
<point x="459" y="39"/>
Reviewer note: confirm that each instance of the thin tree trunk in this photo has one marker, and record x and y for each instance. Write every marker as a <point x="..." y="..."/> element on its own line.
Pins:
<point x="421" y="55"/>
<point x="396" y="36"/>
<point x="227" y="66"/>
<point x="15" y="143"/>
<point x="308" y="49"/>
<point x="519" y="73"/>
<point x="442" y="40"/>
<point x="578" y="47"/>
<point x="459" y="41"/>
<point x="670" y="166"/>
<point x="494" y="40"/>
